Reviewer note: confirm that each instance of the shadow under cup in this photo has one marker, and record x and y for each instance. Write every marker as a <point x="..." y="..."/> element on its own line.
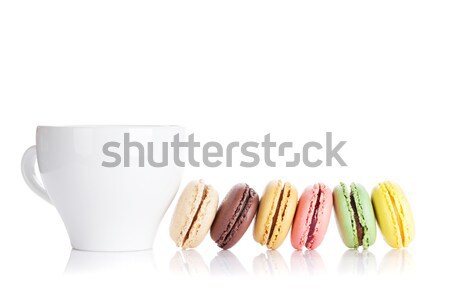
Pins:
<point x="101" y="182"/>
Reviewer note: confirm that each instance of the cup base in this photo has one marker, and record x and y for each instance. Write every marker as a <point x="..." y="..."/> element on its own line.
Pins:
<point x="107" y="249"/>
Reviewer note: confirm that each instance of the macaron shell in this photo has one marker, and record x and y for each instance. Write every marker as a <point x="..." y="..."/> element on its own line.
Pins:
<point x="408" y="219"/>
<point x="243" y="223"/>
<point x="385" y="196"/>
<point x="285" y="216"/>
<point x="228" y="211"/>
<point x="304" y="215"/>
<point x="185" y="211"/>
<point x="235" y="214"/>
<point x="203" y="219"/>
<point x="366" y="213"/>
<point x="385" y="216"/>
<point x="266" y="211"/>
<point x="344" y="216"/>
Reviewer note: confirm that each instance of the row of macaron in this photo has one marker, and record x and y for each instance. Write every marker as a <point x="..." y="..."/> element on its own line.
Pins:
<point x="281" y="210"/>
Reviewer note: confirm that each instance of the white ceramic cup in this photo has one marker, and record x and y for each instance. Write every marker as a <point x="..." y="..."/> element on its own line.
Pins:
<point x="104" y="208"/>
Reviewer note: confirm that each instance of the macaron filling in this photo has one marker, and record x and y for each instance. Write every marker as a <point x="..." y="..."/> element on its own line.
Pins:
<point x="359" y="228"/>
<point x="202" y="202"/>
<point x="275" y="216"/>
<point x="314" y="220"/>
<point x="238" y="217"/>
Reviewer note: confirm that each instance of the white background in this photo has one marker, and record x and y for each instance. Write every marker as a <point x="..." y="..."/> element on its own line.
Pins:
<point x="374" y="73"/>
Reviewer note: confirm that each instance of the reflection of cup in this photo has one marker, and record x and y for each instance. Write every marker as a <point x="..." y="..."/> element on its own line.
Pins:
<point x="308" y="263"/>
<point x="188" y="262"/>
<point x="354" y="262"/>
<point x="100" y="180"/>
<point x="225" y="264"/>
<point x="119" y="263"/>
<point x="397" y="262"/>
<point x="270" y="263"/>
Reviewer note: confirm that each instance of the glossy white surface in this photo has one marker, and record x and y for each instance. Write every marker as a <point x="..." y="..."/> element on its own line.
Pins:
<point x="376" y="73"/>
<point x="103" y="209"/>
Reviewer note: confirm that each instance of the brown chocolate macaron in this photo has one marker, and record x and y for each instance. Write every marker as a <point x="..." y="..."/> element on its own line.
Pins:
<point x="234" y="216"/>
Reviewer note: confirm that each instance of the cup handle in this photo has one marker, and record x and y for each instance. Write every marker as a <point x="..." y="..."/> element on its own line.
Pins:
<point x="29" y="174"/>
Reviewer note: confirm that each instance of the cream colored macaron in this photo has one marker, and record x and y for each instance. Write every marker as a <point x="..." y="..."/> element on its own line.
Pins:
<point x="194" y="214"/>
<point x="275" y="214"/>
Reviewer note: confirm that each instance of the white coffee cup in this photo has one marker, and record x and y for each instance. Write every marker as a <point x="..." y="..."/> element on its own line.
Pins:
<point x="107" y="202"/>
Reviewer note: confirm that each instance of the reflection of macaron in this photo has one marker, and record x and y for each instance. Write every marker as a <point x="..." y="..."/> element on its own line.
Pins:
<point x="188" y="262"/>
<point x="275" y="213"/>
<point x="312" y="217"/>
<point x="393" y="214"/>
<point x="271" y="263"/>
<point x="397" y="262"/>
<point x="193" y="214"/>
<point x="307" y="263"/>
<point x="359" y="263"/>
<point x="354" y="216"/>
<point x="234" y="216"/>
<point x="226" y="264"/>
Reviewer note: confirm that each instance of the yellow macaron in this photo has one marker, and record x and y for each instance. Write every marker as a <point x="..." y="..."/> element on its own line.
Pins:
<point x="275" y="214"/>
<point x="393" y="214"/>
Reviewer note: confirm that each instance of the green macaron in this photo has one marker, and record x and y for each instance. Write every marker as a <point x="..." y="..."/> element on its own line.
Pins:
<point x="354" y="215"/>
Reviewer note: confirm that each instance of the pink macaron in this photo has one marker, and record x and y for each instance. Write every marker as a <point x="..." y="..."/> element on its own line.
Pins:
<point x="312" y="217"/>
